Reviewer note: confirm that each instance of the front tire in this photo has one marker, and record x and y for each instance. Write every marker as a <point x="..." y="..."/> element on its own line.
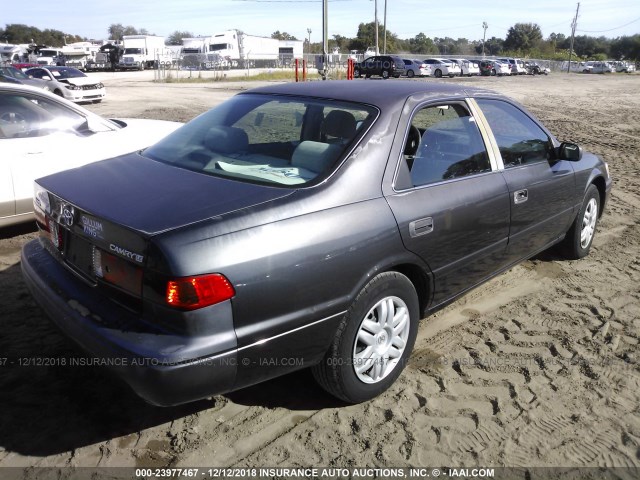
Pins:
<point x="385" y="74"/>
<point x="580" y="236"/>
<point x="356" y="72"/>
<point x="410" y="74"/>
<point x="373" y="342"/>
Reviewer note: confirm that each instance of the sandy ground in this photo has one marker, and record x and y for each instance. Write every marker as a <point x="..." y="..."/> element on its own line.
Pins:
<point x="539" y="367"/>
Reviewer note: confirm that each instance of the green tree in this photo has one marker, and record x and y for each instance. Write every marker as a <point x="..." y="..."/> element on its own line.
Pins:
<point x="282" y="36"/>
<point x="176" y="37"/>
<point x="422" y="44"/>
<point x="626" y="48"/>
<point x="523" y="37"/>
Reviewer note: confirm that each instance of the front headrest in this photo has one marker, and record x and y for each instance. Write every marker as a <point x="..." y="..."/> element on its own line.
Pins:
<point x="226" y="139"/>
<point x="339" y="123"/>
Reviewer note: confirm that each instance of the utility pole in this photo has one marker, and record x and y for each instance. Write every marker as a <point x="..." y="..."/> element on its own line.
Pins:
<point x="384" y="42"/>
<point x="376" y="22"/>
<point x="574" y="24"/>
<point x="484" y="37"/>
<point x="325" y="38"/>
<point x="309" y="42"/>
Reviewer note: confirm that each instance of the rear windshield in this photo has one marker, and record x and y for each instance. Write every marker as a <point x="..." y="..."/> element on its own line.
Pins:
<point x="287" y="141"/>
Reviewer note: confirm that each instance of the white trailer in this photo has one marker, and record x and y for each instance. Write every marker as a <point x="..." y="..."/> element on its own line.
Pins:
<point x="289" y="50"/>
<point x="242" y="50"/>
<point x="143" y="51"/>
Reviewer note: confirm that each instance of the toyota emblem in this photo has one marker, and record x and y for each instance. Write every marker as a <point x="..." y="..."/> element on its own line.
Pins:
<point x="66" y="218"/>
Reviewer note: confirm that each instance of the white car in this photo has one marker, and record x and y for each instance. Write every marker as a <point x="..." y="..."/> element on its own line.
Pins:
<point x="467" y="67"/>
<point x="501" y="68"/>
<point x="70" y="83"/>
<point x="417" y="68"/>
<point x="442" y="67"/>
<point x="517" y="65"/>
<point x="41" y="134"/>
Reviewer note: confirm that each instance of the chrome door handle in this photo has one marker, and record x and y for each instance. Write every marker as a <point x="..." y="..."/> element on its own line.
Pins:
<point x="520" y="196"/>
<point x="421" y="227"/>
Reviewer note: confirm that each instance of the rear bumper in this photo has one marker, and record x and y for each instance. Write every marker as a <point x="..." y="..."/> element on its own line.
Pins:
<point x="155" y="363"/>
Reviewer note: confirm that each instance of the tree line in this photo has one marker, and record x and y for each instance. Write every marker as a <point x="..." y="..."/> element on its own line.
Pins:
<point x="522" y="40"/>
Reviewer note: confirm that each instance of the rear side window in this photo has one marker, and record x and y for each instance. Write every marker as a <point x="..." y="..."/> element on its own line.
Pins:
<point x="520" y="139"/>
<point x="444" y="143"/>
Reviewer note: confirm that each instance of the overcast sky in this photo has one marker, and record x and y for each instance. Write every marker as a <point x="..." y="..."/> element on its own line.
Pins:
<point x="406" y="18"/>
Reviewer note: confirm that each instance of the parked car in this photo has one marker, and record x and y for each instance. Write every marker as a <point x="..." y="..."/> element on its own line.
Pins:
<point x="70" y="83"/>
<point x="516" y="65"/>
<point x="487" y="68"/>
<point x="41" y="133"/>
<point x="25" y="66"/>
<point x="384" y="66"/>
<point x="442" y="67"/>
<point x="10" y="74"/>
<point x="624" y="66"/>
<point x="416" y="68"/>
<point x="534" y="68"/>
<point x="467" y="67"/>
<point x="494" y="67"/>
<point x="302" y="225"/>
<point x="502" y="68"/>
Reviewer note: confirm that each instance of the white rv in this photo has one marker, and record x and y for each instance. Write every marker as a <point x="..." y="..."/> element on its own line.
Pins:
<point x="13" y="53"/>
<point x="143" y="51"/>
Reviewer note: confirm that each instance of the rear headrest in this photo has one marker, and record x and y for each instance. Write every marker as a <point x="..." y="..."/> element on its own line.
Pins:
<point x="339" y="123"/>
<point x="226" y="139"/>
<point x="315" y="156"/>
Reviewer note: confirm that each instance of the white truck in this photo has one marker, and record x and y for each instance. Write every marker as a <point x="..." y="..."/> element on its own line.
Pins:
<point x="50" y="56"/>
<point x="143" y="51"/>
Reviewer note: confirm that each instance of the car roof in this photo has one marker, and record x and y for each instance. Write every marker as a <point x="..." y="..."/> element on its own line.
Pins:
<point x="384" y="95"/>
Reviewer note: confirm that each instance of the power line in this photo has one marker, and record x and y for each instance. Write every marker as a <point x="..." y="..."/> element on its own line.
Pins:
<point x="611" y="29"/>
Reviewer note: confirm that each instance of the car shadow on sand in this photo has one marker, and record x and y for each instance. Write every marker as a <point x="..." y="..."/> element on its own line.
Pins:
<point x="49" y="407"/>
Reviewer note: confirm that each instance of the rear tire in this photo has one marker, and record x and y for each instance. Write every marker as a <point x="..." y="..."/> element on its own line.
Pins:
<point x="579" y="239"/>
<point x="373" y="341"/>
<point x="438" y="73"/>
<point x="356" y="73"/>
<point x="411" y="74"/>
<point x="385" y="74"/>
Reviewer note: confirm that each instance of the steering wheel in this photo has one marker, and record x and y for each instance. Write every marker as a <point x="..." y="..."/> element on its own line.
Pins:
<point x="413" y="141"/>
<point x="14" y="124"/>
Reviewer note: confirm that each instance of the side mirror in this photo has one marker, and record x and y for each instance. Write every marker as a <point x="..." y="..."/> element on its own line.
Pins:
<point x="570" y="151"/>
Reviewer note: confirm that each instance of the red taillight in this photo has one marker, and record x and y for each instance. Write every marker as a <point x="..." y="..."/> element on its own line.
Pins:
<point x="191" y="293"/>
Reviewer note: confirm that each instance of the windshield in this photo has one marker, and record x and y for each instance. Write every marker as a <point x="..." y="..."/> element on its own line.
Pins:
<point x="13" y="72"/>
<point x="62" y="72"/>
<point x="268" y="139"/>
<point x="133" y="51"/>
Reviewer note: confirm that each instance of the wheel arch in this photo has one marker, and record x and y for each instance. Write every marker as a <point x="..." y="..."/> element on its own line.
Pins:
<point x="420" y="279"/>
<point x="601" y="185"/>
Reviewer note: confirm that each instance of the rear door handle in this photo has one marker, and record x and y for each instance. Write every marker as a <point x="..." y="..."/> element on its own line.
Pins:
<point x="421" y="227"/>
<point x="520" y="196"/>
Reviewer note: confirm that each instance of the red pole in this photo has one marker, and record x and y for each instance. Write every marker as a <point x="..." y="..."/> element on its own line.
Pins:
<point x="296" y="69"/>
<point x="304" y="70"/>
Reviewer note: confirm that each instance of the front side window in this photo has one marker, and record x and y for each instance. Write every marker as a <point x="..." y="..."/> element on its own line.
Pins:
<point x="267" y="139"/>
<point x="444" y="143"/>
<point x="520" y="140"/>
<point x="30" y="116"/>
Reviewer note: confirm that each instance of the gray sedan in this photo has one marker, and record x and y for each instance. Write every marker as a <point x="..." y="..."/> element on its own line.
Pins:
<point x="302" y="225"/>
